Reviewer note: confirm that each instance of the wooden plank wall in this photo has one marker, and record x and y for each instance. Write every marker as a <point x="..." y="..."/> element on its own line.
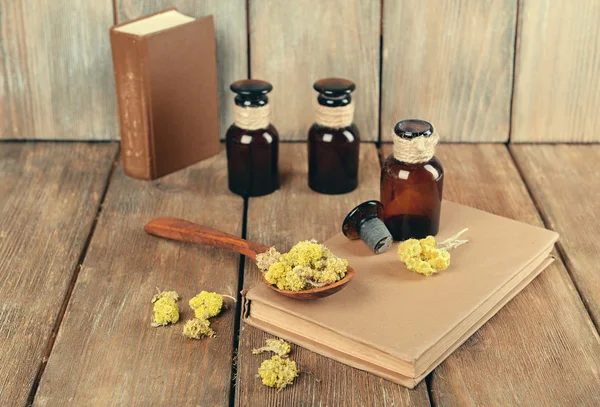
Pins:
<point x="485" y="71"/>
<point x="449" y="62"/>
<point x="557" y="86"/>
<point x="295" y="42"/>
<point x="56" y="79"/>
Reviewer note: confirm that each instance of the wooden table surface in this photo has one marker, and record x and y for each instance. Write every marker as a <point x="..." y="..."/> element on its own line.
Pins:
<point x="77" y="272"/>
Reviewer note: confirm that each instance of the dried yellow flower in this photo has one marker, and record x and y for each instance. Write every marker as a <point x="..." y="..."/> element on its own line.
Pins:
<point x="206" y="305"/>
<point x="277" y="346"/>
<point x="278" y="372"/>
<point x="165" y="308"/>
<point x="409" y="249"/>
<point x="264" y="260"/>
<point x="422" y="256"/>
<point x="307" y="265"/>
<point x="198" y="328"/>
<point x="426" y="256"/>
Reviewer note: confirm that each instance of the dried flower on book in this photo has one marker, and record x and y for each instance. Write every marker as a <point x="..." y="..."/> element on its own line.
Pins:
<point x="307" y="265"/>
<point x="278" y="372"/>
<point x="277" y="346"/>
<point x="426" y="256"/>
<point x="198" y="328"/>
<point x="165" y="308"/>
<point x="206" y="305"/>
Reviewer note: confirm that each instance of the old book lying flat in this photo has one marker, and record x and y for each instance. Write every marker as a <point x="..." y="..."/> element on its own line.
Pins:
<point x="400" y="325"/>
<point x="166" y="78"/>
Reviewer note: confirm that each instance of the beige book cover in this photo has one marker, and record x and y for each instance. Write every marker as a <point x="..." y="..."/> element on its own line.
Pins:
<point x="398" y="324"/>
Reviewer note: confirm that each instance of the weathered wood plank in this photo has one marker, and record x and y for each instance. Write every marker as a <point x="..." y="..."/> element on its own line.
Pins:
<point x="539" y="350"/>
<point x="449" y="62"/>
<point x="231" y="32"/>
<point x="113" y="355"/>
<point x="49" y="197"/>
<point x="557" y="92"/>
<point x="56" y="78"/>
<point x="296" y="213"/>
<point x="568" y="196"/>
<point x="294" y="43"/>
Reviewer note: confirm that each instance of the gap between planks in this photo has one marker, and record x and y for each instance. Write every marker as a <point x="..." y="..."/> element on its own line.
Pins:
<point x="63" y="307"/>
<point x="558" y="246"/>
<point x="238" y="310"/>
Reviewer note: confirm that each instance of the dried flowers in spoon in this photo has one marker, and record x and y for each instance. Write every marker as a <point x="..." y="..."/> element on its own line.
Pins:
<point x="307" y="265"/>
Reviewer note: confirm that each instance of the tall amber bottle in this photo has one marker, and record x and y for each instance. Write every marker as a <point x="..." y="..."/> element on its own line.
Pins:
<point x="252" y="141"/>
<point x="333" y="141"/>
<point x="412" y="180"/>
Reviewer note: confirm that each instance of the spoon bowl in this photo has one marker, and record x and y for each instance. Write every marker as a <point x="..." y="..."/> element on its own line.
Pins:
<point x="182" y="230"/>
<point x="314" y="293"/>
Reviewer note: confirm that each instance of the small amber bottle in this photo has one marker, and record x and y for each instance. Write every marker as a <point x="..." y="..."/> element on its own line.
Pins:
<point x="252" y="141"/>
<point x="333" y="141"/>
<point x="411" y="182"/>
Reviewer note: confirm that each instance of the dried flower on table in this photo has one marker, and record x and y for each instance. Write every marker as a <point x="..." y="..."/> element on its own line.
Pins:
<point x="206" y="305"/>
<point x="278" y="372"/>
<point x="198" y="328"/>
<point x="307" y="265"/>
<point x="426" y="256"/>
<point x="165" y="308"/>
<point x="277" y="346"/>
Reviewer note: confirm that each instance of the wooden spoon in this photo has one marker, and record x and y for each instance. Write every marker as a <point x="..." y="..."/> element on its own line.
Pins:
<point x="179" y="229"/>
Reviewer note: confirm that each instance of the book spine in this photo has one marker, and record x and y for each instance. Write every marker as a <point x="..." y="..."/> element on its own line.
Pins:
<point x="133" y="104"/>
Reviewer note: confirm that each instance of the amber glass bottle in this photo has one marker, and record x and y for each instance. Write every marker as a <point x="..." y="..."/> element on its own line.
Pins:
<point x="412" y="180"/>
<point x="252" y="141"/>
<point x="333" y="141"/>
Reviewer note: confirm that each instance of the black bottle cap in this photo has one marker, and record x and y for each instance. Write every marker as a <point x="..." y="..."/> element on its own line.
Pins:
<point x="334" y="92"/>
<point x="251" y="92"/>
<point x="409" y="129"/>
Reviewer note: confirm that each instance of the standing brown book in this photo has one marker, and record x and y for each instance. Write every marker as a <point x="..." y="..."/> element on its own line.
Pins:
<point x="166" y="77"/>
<point x="401" y="325"/>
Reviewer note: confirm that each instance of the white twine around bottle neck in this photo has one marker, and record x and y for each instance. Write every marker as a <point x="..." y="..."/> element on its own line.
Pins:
<point x="335" y="117"/>
<point x="417" y="150"/>
<point x="252" y="118"/>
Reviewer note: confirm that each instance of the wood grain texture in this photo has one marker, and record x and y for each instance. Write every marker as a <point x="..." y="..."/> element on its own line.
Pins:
<point x="231" y="33"/>
<point x="56" y="79"/>
<point x="568" y="196"/>
<point x="557" y="91"/>
<point x="295" y="43"/>
<point x="449" y="62"/>
<point x="49" y="197"/>
<point x="539" y="350"/>
<point x="106" y="353"/>
<point x="281" y="219"/>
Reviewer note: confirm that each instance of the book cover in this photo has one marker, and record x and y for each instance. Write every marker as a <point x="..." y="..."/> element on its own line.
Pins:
<point x="166" y="79"/>
<point x="398" y="324"/>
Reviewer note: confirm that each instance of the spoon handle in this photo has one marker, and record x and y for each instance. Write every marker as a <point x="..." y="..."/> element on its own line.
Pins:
<point x="182" y="230"/>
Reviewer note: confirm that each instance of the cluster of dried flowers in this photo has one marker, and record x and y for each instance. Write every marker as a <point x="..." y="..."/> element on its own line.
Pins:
<point x="205" y="305"/>
<point x="426" y="256"/>
<point x="165" y="308"/>
<point x="307" y="265"/>
<point x="278" y="371"/>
